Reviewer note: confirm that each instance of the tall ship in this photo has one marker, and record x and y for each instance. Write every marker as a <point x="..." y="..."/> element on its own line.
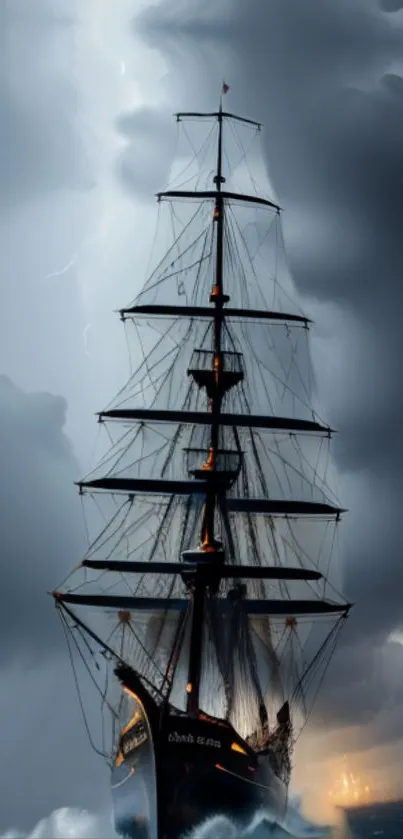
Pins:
<point x="203" y="614"/>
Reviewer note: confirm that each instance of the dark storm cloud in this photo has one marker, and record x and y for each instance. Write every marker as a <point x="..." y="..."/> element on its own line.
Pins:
<point x="40" y="148"/>
<point x="391" y="5"/>
<point x="322" y="76"/>
<point x="45" y="760"/>
<point x="147" y="139"/>
<point x="41" y="527"/>
<point x="41" y="538"/>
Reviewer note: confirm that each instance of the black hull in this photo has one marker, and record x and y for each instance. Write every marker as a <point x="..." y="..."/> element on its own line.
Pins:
<point x="187" y="770"/>
<point x="197" y="781"/>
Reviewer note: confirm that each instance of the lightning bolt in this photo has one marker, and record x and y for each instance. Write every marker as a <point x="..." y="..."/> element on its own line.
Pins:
<point x="100" y="232"/>
<point x="104" y="225"/>
<point x="70" y="264"/>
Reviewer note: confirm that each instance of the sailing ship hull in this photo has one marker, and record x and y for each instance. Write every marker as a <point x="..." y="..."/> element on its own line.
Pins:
<point x="187" y="770"/>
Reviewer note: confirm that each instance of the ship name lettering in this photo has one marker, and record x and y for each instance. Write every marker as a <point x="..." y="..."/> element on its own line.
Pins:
<point x="208" y="741"/>
<point x="175" y="737"/>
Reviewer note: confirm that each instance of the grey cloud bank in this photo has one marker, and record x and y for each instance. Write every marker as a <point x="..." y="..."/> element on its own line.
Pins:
<point x="44" y="175"/>
<point x="41" y="527"/>
<point x="45" y="761"/>
<point x="391" y="5"/>
<point x="40" y="149"/>
<point x="45" y="180"/>
<point x="143" y="165"/>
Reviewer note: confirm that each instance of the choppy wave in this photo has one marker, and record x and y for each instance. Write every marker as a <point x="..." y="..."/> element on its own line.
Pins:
<point x="264" y="826"/>
<point x="67" y="823"/>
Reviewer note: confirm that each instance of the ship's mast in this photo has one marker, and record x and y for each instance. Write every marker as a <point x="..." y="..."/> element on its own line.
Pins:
<point x="208" y="540"/>
<point x="216" y="370"/>
<point x="218" y="298"/>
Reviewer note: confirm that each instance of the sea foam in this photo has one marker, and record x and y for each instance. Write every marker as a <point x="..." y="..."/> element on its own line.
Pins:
<point x="68" y="823"/>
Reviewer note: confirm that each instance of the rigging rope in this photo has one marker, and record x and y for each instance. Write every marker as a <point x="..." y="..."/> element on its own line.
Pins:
<point x="66" y="631"/>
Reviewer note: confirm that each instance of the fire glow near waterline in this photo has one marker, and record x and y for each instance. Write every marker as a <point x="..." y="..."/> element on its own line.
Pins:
<point x="349" y="788"/>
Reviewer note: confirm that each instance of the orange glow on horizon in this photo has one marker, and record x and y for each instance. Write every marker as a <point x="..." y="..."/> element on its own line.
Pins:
<point x="330" y="782"/>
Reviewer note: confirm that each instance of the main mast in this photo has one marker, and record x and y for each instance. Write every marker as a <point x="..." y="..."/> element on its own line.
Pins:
<point x="218" y="298"/>
<point x="209" y="543"/>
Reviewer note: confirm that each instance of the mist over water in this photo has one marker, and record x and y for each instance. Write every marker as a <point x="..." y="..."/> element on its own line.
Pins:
<point x="68" y="823"/>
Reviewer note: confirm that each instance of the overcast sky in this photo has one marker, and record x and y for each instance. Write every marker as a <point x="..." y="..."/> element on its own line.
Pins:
<point x="86" y="94"/>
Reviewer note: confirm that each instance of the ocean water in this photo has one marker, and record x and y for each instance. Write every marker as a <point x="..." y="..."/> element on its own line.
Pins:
<point x="377" y="821"/>
<point x="72" y="824"/>
<point x="384" y="821"/>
